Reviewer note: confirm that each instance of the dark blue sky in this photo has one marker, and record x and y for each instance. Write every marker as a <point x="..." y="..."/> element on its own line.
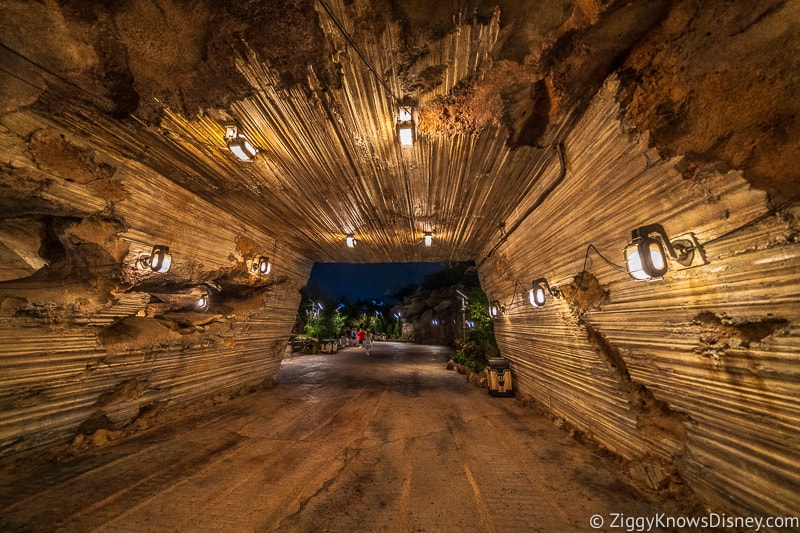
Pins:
<point x="359" y="281"/>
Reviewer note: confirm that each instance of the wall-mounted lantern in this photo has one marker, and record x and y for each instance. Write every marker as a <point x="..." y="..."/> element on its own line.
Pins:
<point x="406" y="128"/>
<point x="428" y="239"/>
<point x="239" y="144"/>
<point x="260" y="265"/>
<point x="351" y="241"/>
<point x="195" y="298"/>
<point x="539" y="291"/>
<point x="645" y="256"/>
<point x="496" y="309"/>
<point x="203" y="301"/>
<point x="159" y="260"/>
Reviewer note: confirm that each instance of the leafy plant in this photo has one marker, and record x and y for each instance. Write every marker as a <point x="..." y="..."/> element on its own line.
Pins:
<point x="480" y="345"/>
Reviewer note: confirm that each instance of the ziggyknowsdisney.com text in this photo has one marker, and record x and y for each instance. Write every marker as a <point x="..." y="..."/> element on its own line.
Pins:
<point x="711" y="520"/>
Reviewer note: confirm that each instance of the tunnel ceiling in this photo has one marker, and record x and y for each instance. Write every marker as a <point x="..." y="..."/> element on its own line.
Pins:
<point x="316" y="87"/>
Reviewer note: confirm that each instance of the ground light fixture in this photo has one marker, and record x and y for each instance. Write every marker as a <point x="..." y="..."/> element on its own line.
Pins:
<point x="428" y="239"/>
<point x="351" y="241"/>
<point x="159" y="260"/>
<point x="539" y="291"/>
<point x="406" y="129"/>
<point x="645" y="256"/>
<point x="237" y="143"/>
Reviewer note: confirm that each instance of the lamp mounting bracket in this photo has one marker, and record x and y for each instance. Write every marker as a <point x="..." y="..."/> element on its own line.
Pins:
<point x="688" y="253"/>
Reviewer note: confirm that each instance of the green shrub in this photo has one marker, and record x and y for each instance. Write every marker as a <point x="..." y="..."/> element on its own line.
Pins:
<point x="480" y="345"/>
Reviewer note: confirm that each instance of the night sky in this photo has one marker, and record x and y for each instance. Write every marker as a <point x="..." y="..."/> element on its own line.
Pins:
<point x="358" y="281"/>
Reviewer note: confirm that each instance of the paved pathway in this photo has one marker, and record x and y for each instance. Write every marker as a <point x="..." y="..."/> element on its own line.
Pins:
<point x="345" y="442"/>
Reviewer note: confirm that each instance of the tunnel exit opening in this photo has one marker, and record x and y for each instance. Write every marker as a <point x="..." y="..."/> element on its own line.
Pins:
<point x="342" y="298"/>
<point x="423" y="303"/>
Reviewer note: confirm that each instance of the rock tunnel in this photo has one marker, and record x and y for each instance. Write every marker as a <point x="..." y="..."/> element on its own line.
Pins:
<point x="156" y="156"/>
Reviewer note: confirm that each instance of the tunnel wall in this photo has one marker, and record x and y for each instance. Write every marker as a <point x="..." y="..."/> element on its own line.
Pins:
<point x="694" y="376"/>
<point x="82" y="354"/>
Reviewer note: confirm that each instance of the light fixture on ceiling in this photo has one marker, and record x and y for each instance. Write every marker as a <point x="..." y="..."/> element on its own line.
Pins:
<point x="496" y="309"/>
<point x="428" y="239"/>
<point x="159" y="260"/>
<point x="260" y="265"/>
<point x="239" y="144"/>
<point x="539" y="290"/>
<point x="351" y="241"/>
<point x="645" y="258"/>
<point x="406" y="128"/>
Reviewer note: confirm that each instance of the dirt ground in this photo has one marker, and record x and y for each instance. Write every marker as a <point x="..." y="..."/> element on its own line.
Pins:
<point x="344" y="442"/>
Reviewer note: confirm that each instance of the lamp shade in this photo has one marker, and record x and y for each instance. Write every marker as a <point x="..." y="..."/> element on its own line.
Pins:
<point x="406" y="130"/>
<point x="160" y="259"/>
<point x="406" y="134"/>
<point x="645" y="259"/>
<point x="428" y="239"/>
<point x="264" y="266"/>
<point x="351" y="241"/>
<point x="237" y="143"/>
<point x="537" y="295"/>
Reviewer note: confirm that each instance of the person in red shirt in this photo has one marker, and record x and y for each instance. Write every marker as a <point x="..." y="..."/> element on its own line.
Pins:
<point x="361" y="335"/>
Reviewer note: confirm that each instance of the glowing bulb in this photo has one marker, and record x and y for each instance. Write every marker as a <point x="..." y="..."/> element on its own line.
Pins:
<point x="264" y="266"/>
<point x="241" y="147"/>
<point x="537" y="296"/>
<point x="645" y="259"/>
<point x="406" y="137"/>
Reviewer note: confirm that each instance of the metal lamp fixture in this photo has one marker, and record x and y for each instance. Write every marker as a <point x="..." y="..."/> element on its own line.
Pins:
<point x="159" y="260"/>
<point x="496" y="309"/>
<point x="239" y="144"/>
<point x="645" y="256"/>
<point x="203" y="301"/>
<point x="539" y="290"/>
<point x="195" y="298"/>
<point x="406" y="129"/>
<point x="351" y="241"/>
<point x="261" y="265"/>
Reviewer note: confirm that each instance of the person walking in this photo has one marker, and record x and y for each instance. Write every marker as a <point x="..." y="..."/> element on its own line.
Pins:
<point x="370" y="340"/>
<point x="361" y="335"/>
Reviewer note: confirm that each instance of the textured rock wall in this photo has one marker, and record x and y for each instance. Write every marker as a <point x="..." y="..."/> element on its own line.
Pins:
<point x="91" y="343"/>
<point x="696" y="373"/>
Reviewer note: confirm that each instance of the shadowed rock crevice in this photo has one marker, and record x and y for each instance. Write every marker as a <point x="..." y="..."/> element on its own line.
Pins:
<point x="657" y="421"/>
